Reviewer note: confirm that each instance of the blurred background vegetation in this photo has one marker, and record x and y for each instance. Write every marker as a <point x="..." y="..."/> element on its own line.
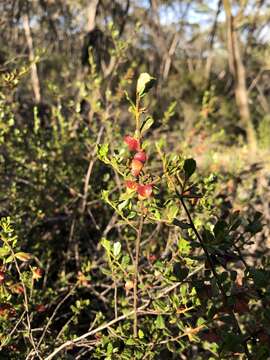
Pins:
<point x="66" y="67"/>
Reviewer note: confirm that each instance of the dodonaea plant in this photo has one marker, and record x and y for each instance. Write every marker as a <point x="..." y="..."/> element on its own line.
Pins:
<point x="137" y="182"/>
<point x="194" y="265"/>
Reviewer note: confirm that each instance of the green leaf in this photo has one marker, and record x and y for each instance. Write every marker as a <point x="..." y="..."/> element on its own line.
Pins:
<point x="23" y="256"/>
<point x="183" y="247"/>
<point x="149" y="121"/>
<point x="109" y="349"/>
<point x="200" y="321"/>
<point x="160" y="324"/>
<point x="9" y="259"/>
<point x="105" y="195"/>
<point x="106" y="244"/>
<point x="132" y="215"/>
<point x="144" y="84"/>
<point x="169" y="113"/>
<point x="125" y="261"/>
<point x="116" y="249"/>
<point x="106" y="272"/>
<point x="160" y="305"/>
<point x="4" y="251"/>
<point x="102" y="152"/>
<point x="189" y="167"/>
<point x="123" y="204"/>
<point x="130" y="341"/>
<point x="140" y="334"/>
<point x="171" y="211"/>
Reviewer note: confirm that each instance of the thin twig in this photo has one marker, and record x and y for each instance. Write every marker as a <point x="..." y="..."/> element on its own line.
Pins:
<point x="93" y="332"/>
<point x="26" y="305"/>
<point x="54" y="314"/>
<point x="13" y="330"/>
<point x="136" y="271"/>
<point x="140" y="311"/>
<point x="89" y="172"/>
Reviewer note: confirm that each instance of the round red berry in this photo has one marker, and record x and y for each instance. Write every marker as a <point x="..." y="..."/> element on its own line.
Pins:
<point x="132" y="143"/>
<point x="145" y="190"/>
<point x="141" y="156"/>
<point x="131" y="185"/>
<point x="136" y="167"/>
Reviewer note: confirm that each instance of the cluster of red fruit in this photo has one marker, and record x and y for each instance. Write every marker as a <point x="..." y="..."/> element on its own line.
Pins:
<point x="137" y="164"/>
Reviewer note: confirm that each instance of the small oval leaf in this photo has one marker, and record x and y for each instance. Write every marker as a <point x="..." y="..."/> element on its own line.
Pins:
<point x="189" y="167"/>
<point x="23" y="256"/>
<point x="144" y="84"/>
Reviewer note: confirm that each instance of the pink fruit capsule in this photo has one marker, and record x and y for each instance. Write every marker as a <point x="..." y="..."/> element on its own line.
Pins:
<point x="141" y="156"/>
<point x="131" y="185"/>
<point x="136" y="167"/>
<point x="132" y="143"/>
<point x="145" y="190"/>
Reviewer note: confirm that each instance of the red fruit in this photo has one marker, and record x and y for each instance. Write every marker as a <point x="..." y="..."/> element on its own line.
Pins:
<point x="152" y="257"/>
<point x="132" y="143"/>
<point x="141" y="156"/>
<point x="40" y="308"/>
<point x="145" y="190"/>
<point x="132" y="185"/>
<point x="2" y="277"/>
<point x="136" y="167"/>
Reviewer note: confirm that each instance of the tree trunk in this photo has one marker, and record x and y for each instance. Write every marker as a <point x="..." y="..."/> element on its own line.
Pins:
<point x="34" y="73"/>
<point x="91" y="15"/>
<point x="238" y="70"/>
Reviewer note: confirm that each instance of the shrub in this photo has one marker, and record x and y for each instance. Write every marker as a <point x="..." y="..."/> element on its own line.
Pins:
<point x="160" y="273"/>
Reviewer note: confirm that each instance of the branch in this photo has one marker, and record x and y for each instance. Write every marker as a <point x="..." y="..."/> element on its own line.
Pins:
<point x="93" y="332"/>
<point x="136" y="274"/>
<point x="34" y="73"/>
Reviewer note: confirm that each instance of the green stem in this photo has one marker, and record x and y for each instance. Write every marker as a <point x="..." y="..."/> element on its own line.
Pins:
<point x="136" y="275"/>
<point x="137" y="118"/>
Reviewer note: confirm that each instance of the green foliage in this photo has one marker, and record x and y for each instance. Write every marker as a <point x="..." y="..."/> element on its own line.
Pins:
<point x="144" y="84"/>
<point x="189" y="167"/>
<point x="156" y="258"/>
